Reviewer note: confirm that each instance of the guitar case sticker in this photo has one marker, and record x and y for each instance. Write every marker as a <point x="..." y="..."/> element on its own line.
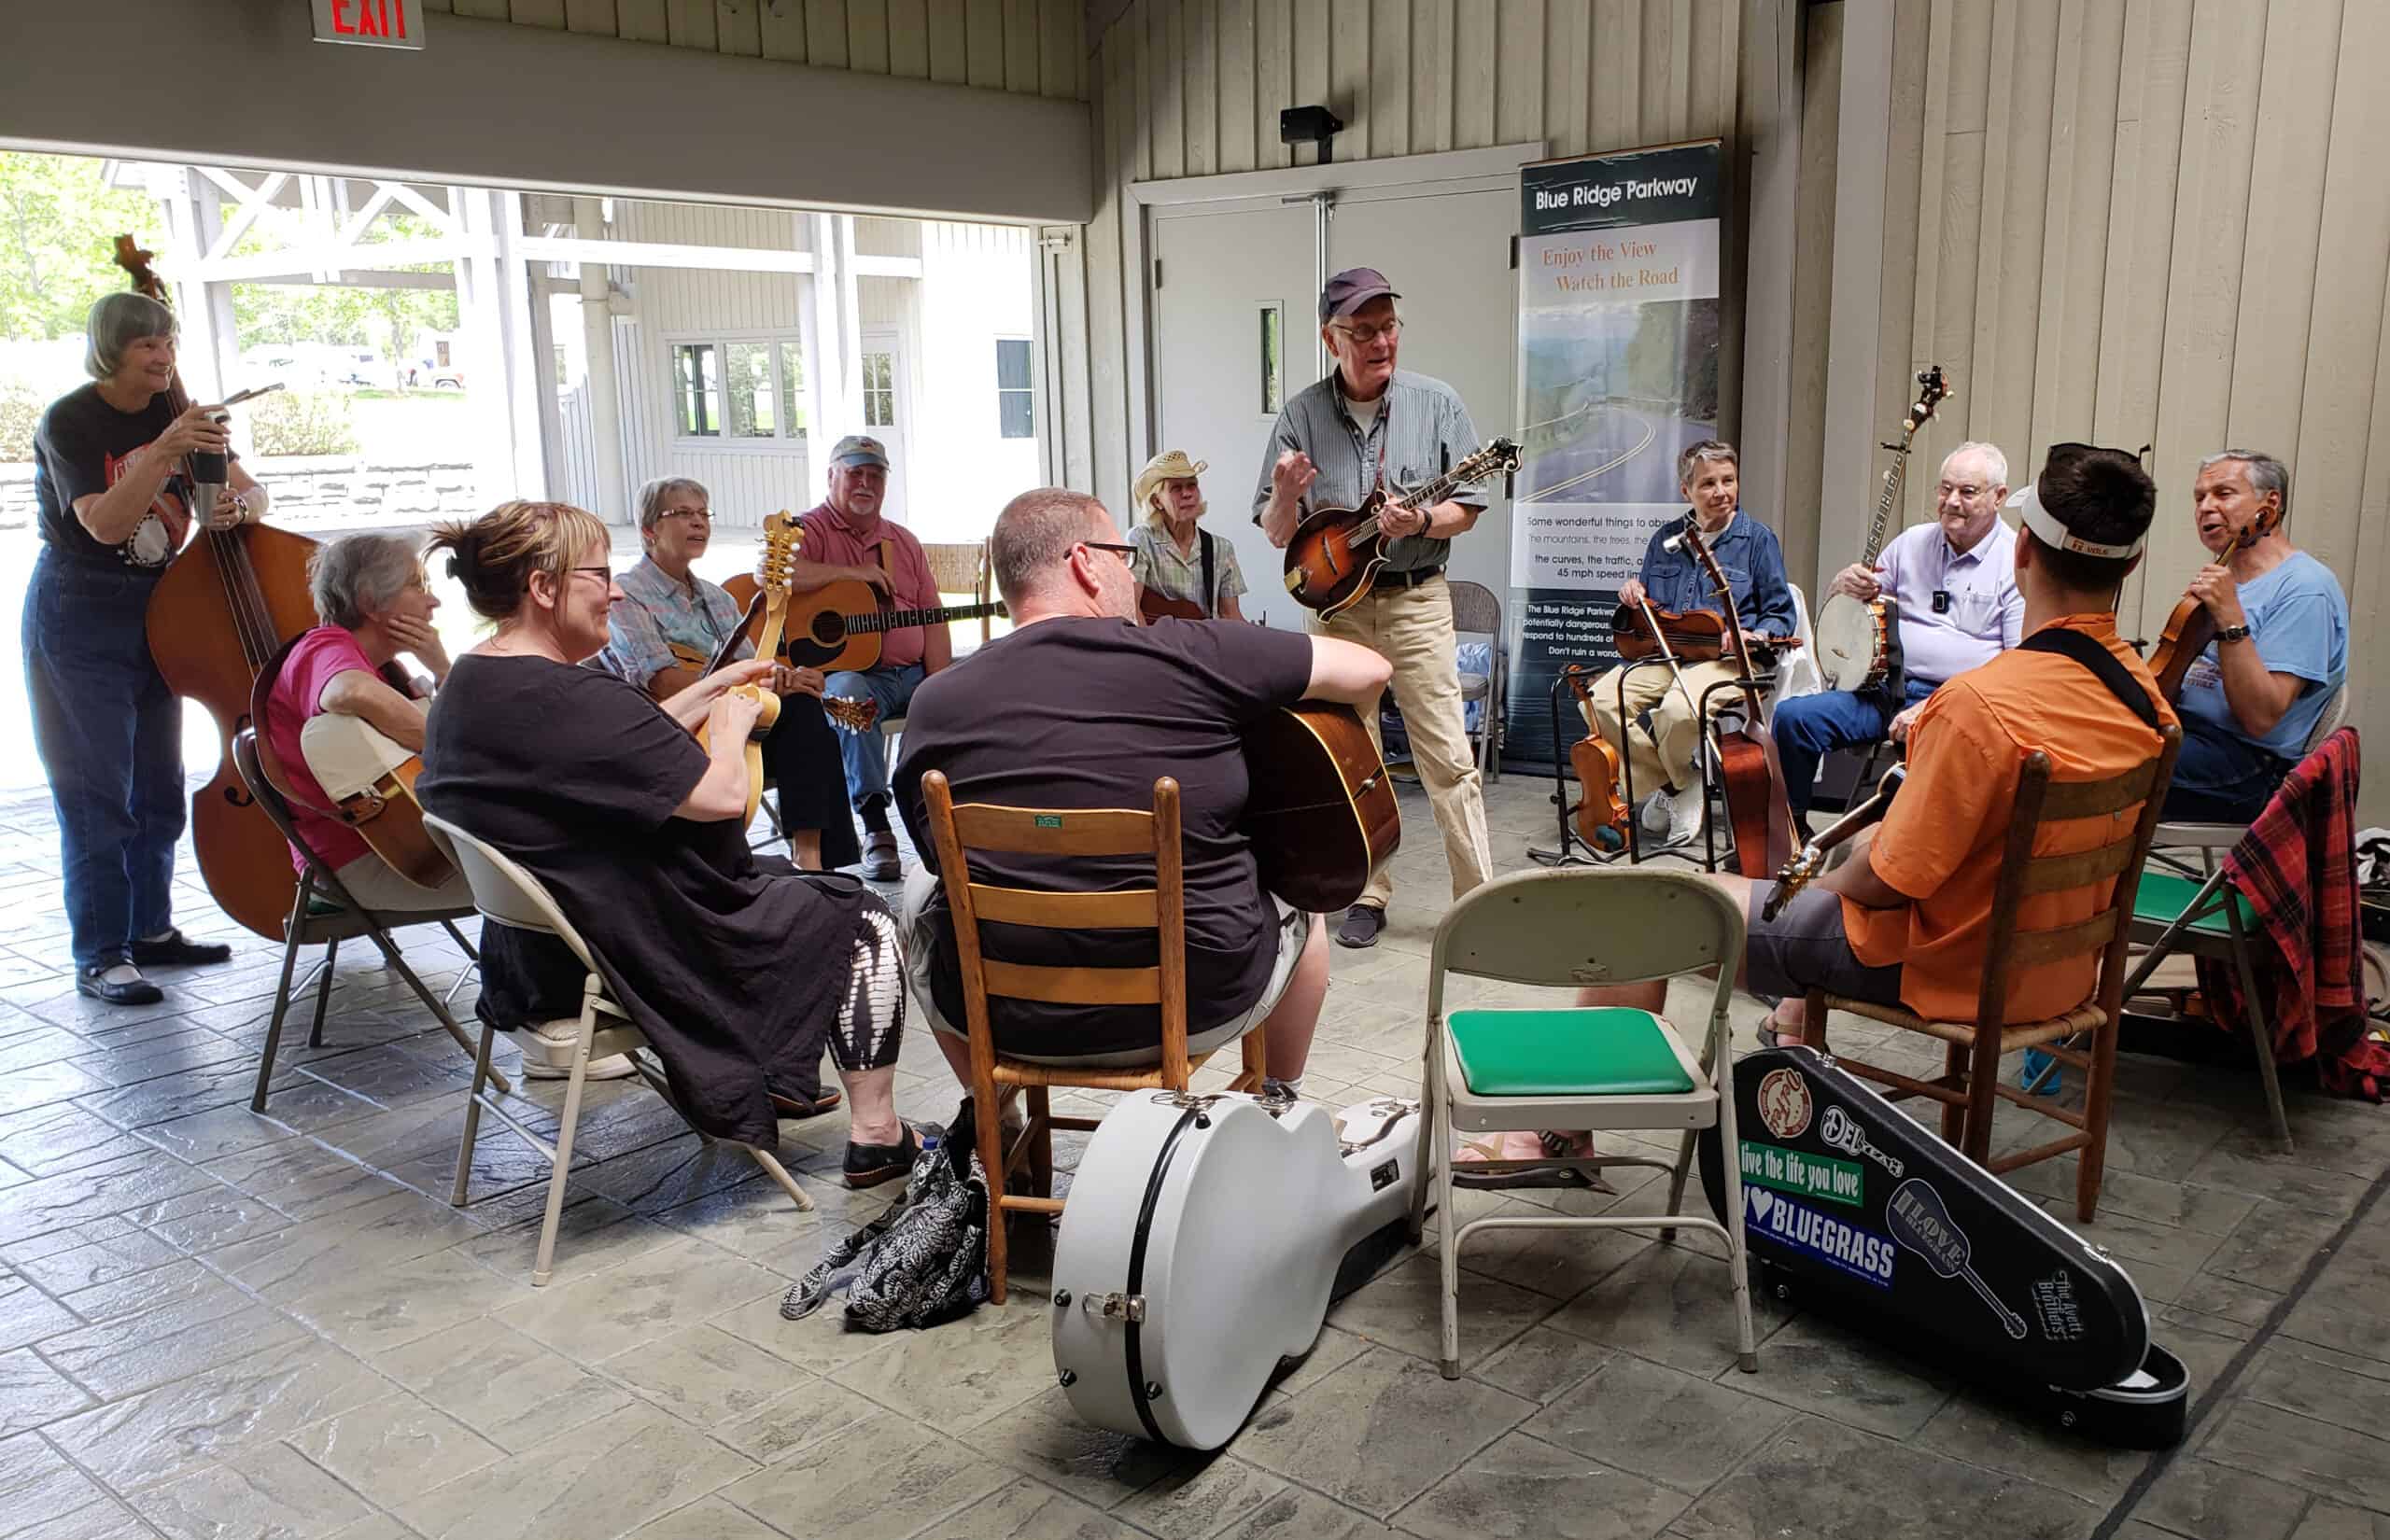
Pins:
<point x="1853" y="1209"/>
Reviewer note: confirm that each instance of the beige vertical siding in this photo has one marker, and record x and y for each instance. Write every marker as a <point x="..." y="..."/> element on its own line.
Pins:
<point x="1032" y="48"/>
<point x="2148" y="221"/>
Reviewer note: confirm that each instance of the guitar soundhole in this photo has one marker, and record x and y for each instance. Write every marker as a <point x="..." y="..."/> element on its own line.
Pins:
<point x="829" y="630"/>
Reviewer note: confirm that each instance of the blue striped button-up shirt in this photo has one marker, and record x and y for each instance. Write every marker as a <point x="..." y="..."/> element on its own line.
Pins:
<point x="1422" y="430"/>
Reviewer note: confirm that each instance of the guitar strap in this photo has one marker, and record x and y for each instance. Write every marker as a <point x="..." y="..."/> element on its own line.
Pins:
<point x="1211" y="593"/>
<point x="2088" y="651"/>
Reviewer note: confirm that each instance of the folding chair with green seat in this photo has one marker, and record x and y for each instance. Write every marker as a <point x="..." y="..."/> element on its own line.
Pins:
<point x="1496" y="1069"/>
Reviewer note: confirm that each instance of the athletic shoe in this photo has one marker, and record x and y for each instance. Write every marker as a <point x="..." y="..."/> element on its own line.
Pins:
<point x="547" y="1054"/>
<point x="880" y="863"/>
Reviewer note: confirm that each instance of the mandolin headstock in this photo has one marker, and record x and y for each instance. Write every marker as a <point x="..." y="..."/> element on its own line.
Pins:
<point x="776" y="569"/>
<point x="855" y="716"/>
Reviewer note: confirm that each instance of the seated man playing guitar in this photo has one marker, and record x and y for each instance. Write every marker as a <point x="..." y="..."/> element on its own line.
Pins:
<point x="1081" y="706"/>
<point x="1658" y="733"/>
<point x="846" y="538"/>
<point x="662" y="635"/>
<point x="1906" y="920"/>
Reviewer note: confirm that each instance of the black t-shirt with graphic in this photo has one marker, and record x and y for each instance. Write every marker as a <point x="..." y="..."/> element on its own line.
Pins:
<point x="81" y="449"/>
<point x="1083" y="712"/>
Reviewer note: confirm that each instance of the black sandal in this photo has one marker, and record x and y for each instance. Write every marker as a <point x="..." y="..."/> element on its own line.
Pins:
<point x="869" y="1164"/>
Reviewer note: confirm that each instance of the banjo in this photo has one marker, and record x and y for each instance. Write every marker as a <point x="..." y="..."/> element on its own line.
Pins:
<point x="1205" y="1237"/>
<point x="1858" y="641"/>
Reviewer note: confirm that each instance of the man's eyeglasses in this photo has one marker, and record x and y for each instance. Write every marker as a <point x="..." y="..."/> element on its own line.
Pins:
<point x="1123" y="551"/>
<point x="1963" y="491"/>
<point x="1363" y="335"/>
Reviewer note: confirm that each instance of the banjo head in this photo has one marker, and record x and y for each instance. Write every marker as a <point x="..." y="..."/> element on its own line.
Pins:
<point x="1847" y="632"/>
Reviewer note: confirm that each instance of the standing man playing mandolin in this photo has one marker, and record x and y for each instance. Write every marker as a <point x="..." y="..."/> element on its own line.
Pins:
<point x="846" y="539"/>
<point x="1659" y="732"/>
<point x="1954" y="581"/>
<point x="2281" y="650"/>
<point x="1336" y="440"/>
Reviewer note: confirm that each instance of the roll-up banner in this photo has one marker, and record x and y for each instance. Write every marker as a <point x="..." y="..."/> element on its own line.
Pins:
<point x="1618" y="373"/>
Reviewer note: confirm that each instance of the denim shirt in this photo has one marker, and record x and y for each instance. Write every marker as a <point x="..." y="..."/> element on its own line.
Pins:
<point x="1746" y="554"/>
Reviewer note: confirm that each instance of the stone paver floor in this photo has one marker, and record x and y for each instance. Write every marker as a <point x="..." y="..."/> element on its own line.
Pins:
<point x="219" y="1324"/>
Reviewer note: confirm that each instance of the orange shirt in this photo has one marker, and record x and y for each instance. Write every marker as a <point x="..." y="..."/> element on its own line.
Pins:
<point x="1941" y="844"/>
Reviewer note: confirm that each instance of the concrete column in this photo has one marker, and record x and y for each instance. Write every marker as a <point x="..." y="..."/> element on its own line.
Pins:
<point x="825" y="354"/>
<point x="494" y="299"/>
<point x="850" y="328"/>
<point x="203" y="310"/>
<point x="605" y="386"/>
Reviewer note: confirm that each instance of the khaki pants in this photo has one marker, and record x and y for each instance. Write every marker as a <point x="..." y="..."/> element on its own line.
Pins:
<point x="1665" y="764"/>
<point x="1411" y="628"/>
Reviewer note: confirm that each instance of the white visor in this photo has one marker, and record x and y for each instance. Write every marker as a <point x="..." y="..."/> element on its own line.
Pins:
<point x="2044" y="526"/>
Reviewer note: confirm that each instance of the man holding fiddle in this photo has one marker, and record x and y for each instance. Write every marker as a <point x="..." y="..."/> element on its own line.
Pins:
<point x="1658" y="731"/>
<point x="2281" y="650"/>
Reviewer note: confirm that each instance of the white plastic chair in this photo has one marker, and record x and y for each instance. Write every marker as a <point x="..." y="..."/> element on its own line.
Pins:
<point x="1572" y="1068"/>
<point x="507" y="895"/>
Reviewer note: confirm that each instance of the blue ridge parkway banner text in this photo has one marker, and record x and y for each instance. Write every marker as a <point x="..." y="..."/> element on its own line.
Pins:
<point x="1618" y="373"/>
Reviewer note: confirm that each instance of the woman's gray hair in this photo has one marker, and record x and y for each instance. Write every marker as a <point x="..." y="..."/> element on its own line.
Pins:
<point x="358" y="574"/>
<point x="1695" y="456"/>
<point x="2266" y="473"/>
<point x="116" y="322"/>
<point x="658" y="494"/>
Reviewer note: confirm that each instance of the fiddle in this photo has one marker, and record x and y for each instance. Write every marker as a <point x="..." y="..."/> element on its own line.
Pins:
<point x="1693" y="636"/>
<point x="2191" y="627"/>
<point x="1601" y="814"/>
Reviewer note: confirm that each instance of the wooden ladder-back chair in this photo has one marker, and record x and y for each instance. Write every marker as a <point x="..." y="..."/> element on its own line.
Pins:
<point x="1161" y="908"/>
<point x="1969" y="1088"/>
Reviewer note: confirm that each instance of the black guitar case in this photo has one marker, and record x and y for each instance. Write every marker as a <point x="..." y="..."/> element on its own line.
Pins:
<point x="1853" y="1209"/>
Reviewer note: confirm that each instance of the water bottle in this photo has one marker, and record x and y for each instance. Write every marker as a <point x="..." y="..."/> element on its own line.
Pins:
<point x="2035" y="1063"/>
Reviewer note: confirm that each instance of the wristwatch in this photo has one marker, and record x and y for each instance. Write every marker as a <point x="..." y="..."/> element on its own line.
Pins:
<point x="2233" y="633"/>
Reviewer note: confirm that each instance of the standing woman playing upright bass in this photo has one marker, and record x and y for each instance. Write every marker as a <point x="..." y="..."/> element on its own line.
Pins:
<point x="114" y="502"/>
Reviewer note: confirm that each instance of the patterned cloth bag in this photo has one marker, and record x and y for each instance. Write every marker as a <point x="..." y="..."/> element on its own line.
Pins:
<point x="922" y="1262"/>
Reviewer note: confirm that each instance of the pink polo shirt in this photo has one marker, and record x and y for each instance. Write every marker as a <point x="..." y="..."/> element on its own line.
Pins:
<point x="830" y="540"/>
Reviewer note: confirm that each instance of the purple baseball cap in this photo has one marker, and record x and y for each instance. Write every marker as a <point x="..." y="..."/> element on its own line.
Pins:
<point x="1352" y="288"/>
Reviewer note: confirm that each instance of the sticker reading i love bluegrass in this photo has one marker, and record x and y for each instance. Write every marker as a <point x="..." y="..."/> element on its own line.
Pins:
<point x="1810" y="1175"/>
<point x="1862" y="1254"/>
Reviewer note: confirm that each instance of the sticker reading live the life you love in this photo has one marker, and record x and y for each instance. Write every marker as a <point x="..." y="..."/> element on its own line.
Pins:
<point x="1618" y="373"/>
<point x="1808" y="1175"/>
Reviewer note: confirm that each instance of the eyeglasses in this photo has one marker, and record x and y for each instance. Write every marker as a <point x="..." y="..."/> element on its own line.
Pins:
<point x="1363" y="335"/>
<point x="605" y="573"/>
<point x="1963" y="491"/>
<point x="705" y="513"/>
<point x="1123" y="551"/>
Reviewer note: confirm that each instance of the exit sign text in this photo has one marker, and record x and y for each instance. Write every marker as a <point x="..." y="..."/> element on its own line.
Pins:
<point x="375" y="24"/>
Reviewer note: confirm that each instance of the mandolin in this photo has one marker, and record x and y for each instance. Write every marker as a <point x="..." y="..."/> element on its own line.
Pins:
<point x="838" y="628"/>
<point x="1746" y="767"/>
<point x="782" y="535"/>
<point x="2191" y="628"/>
<point x="1337" y="551"/>
<point x="855" y="716"/>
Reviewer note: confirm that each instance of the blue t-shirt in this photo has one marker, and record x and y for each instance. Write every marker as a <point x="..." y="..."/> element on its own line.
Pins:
<point x="2298" y="621"/>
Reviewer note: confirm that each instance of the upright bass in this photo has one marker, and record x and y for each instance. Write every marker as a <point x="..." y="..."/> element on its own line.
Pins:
<point x="1753" y="781"/>
<point x="217" y="617"/>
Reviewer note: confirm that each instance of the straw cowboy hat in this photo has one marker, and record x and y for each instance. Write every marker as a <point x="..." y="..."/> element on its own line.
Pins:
<point x="1170" y="465"/>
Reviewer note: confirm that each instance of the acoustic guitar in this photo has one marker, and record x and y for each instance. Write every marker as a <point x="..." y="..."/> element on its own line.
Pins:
<point x="369" y="777"/>
<point x="853" y="714"/>
<point x="1321" y="814"/>
<point x="1153" y="605"/>
<point x="1337" y="551"/>
<point x="839" y="627"/>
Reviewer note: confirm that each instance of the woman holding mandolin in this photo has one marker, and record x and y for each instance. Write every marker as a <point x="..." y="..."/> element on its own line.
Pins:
<point x="1182" y="571"/>
<point x="113" y="495"/>
<point x="2257" y="648"/>
<point x="663" y="635"/>
<point x="737" y="968"/>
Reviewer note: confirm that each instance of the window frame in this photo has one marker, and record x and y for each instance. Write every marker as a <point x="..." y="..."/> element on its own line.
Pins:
<point x="1003" y="390"/>
<point x="777" y="342"/>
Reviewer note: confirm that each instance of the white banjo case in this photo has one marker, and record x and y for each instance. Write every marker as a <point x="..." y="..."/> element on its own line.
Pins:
<point x="1204" y="1238"/>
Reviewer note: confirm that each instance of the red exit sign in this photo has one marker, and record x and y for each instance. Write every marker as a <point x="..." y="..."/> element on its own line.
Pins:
<point x="375" y="24"/>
